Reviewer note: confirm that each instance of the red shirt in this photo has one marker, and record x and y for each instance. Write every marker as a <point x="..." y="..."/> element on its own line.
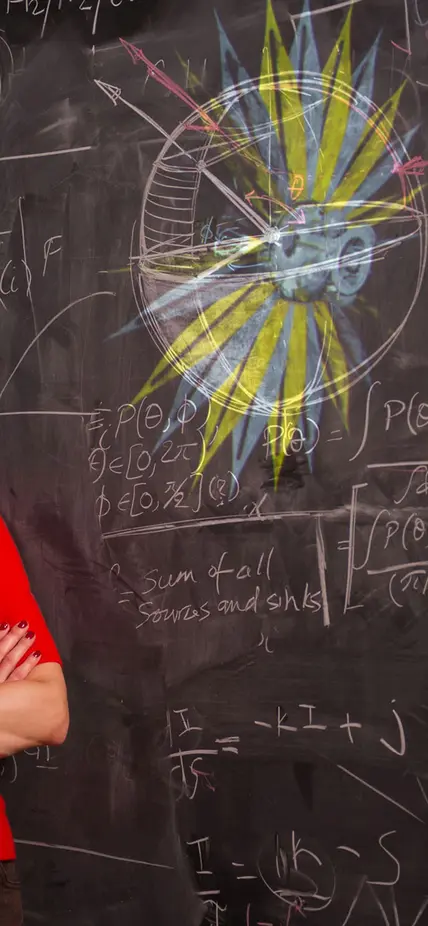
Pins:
<point x="17" y="604"/>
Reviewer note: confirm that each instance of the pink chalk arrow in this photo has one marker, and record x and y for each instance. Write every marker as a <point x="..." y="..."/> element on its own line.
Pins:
<point x="157" y="74"/>
<point x="415" y="167"/>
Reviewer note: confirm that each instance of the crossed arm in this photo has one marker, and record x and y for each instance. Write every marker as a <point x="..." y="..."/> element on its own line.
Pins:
<point x="33" y="698"/>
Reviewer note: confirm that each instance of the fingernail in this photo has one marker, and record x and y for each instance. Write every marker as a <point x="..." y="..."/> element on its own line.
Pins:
<point x="37" y="654"/>
<point x="4" y="626"/>
<point x="22" y="624"/>
<point x="29" y="635"/>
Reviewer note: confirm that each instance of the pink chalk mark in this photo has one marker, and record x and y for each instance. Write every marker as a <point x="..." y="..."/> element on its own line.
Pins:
<point x="297" y="906"/>
<point x="196" y="128"/>
<point x="407" y="51"/>
<point x="205" y="776"/>
<point x="413" y="168"/>
<point x="299" y="217"/>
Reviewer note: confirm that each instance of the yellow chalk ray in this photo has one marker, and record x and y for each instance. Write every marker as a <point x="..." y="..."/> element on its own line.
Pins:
<point x="374" y="139"/>
<point x="285" y="415"/>
<point x="280" y="92"/>
<point x="243" y="383"/>
<point x="207" y="333"/>
<point x="335" y="358"/>
<point x="336" y="73"/>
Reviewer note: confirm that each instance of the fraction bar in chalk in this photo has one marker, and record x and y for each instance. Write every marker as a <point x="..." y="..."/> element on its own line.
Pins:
<point x="45" y="154"/>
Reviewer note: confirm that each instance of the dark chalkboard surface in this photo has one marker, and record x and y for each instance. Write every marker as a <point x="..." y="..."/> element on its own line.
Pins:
<point x="214" y="454"/>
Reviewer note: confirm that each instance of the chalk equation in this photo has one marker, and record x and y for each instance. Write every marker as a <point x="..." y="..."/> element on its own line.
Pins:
<point x="91" y="9"/>
<point x="291" y="875"/>
<point x="411" y="415"/>
<point x="17" y="276"/>
<point x="394" y="543"/>
<point x="164" y="474"/>
<point x="42" y="758"/>
<point x="192" y="756"/>
<point x="139" y="463"/>
<point x="230" y="589"/>
<point x="384" y="541"/>
<point x="265" y="881"/>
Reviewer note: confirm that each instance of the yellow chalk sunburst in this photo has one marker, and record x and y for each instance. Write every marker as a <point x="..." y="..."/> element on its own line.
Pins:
<point x="259" y="318"/>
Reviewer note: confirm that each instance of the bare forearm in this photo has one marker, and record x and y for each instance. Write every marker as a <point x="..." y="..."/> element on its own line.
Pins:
<point x="30" y="715"/>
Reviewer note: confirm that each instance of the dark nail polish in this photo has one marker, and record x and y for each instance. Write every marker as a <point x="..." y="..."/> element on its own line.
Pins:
<point x="37" y="654"/>
<point x="4" y="626"/>
<point x="22" y="624"/>
<point x="30" y="635"/>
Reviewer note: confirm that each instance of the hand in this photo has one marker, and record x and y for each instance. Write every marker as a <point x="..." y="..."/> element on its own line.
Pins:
<point x="14" y="643"/>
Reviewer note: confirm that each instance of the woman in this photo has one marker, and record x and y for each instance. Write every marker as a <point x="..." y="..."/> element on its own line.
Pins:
<point x="33" y="697"/>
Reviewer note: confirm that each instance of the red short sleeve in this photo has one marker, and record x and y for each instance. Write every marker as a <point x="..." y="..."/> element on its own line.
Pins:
<point x="17" y="602"/>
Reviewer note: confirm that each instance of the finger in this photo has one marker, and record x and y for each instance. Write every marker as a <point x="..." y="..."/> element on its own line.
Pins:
<point x="26" y="667"/>
<point x="9" y="662"/>
<point x="4" y="629"/>
<point x="11" y="638"/>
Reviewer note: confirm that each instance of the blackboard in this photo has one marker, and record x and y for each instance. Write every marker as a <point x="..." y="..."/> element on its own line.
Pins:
<point x="214" y="455"/>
